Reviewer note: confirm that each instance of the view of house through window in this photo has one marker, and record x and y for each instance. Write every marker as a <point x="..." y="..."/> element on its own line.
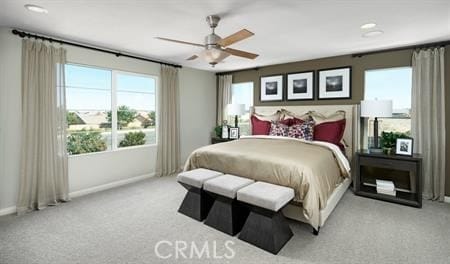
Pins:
<point x="391" y="84"/>
<point x="242" y="93"/>
<point x="108" y="109"/>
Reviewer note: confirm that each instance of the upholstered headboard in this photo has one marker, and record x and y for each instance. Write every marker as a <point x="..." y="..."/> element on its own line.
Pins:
<point x="351" y="134"/>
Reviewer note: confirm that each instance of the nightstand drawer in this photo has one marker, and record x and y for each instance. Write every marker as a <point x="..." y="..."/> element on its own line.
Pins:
<point x="388" y="163"/>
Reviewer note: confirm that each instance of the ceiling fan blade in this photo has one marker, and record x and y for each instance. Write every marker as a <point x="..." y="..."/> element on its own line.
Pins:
<point x="193" y="57"/>
<point x="241" y="53"/>
<point x="233" y="38"/>
<point x="182" y="42"/>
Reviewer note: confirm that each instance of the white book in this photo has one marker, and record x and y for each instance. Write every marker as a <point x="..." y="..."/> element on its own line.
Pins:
<point x="392" y="193"/>
<point x="389" y="185"/>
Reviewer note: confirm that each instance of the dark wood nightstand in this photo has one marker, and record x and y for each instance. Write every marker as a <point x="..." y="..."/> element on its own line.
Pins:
<point x="404" y="171"/>
<point x="215" y="140"/>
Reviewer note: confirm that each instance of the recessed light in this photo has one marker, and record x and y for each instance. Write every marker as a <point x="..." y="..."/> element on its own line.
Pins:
<point x="36" y="8"/>
<point x="373" y="33"/>
<point x="368" y="25"/>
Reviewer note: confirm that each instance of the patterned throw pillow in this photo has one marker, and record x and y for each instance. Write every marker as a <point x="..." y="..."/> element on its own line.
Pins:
<point x="279" y="129"/>
<point x="304" y="130"/>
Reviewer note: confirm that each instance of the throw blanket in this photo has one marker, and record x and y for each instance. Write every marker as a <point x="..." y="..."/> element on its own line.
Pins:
<point x="312" y="169"/>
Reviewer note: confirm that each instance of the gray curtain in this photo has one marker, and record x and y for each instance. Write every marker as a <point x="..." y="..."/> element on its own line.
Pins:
<point x="44" y="176"/>
<point x="168" y="155"/>
<point x="428" y="118"/>
<point x="223" y="97"/>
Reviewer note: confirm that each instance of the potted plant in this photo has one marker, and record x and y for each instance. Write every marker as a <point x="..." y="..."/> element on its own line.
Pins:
<point x="389" y="139"/>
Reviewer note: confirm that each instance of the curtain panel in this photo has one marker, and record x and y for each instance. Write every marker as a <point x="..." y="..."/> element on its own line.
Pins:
<point x="168" y="137"/>
<point x="223" y="96"/>
<point x="428" y="118"/>
<point x="44" y="174"/>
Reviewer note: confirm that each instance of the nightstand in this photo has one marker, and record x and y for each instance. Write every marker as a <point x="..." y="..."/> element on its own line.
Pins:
<point x="404" y="171"/>
<point x="215" y="140"/>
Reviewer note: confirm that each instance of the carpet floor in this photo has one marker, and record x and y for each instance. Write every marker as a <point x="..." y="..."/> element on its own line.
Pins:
<point x="139" y="223"/>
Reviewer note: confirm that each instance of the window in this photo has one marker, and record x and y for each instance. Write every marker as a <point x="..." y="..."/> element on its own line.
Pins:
<point x="242" y="93"/>
<point x="393" y="84"/>
<point x="108" y="109"/>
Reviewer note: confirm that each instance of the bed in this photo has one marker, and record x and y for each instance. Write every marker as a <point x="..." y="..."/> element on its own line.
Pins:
<point x="319" y="172"/>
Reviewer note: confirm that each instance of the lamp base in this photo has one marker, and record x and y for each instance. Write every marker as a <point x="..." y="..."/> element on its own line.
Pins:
<point x="375" y="150"/>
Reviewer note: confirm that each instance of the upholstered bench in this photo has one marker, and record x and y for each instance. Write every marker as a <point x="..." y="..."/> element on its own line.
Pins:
<point x="227" y="214"/>
<point x="196" y="203"/>
<point x="266" y="227"/>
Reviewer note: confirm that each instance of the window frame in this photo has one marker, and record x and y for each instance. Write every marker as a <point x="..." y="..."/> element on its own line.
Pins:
<point x="113" y="90"/>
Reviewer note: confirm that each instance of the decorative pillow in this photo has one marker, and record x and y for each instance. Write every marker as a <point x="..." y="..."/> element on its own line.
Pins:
<point x="260" y="127"/>
<point x="279" y="129"/>
<point x="320" y="118"/>
<point x="273" y="117"/>
<point x="303" y="130"/>
<point x="286" y="115"/>
<point x="330" y="132"/>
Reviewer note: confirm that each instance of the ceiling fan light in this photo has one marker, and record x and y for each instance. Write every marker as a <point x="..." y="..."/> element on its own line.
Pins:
<point x="214" y="55"/>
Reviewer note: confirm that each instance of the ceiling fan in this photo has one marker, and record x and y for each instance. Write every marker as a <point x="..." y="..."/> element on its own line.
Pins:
<point x="216" y="48"/>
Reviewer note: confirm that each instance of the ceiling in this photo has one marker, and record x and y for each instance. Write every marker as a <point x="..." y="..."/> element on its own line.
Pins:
<point x="285" y="31"/>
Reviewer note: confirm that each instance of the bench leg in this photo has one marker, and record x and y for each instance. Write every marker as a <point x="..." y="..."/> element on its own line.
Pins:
<point x="316" y="231"/>
<point x="266" y="229"/>
<point x="196" y="203"/>
<point x="227" y="215"/>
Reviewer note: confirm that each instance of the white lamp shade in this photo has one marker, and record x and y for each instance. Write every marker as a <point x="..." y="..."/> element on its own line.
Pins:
<point x="236" y="109"/>
<point x="376" y="108"/>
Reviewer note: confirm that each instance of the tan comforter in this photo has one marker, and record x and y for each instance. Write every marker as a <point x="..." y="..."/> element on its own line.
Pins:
<point x="312" y="169"/>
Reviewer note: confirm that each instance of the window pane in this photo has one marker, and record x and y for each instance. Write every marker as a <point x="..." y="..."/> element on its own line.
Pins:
<point x="88" y="77"/>
<point x="393" y="84"/>
<point x="88" y="98"/>
<point x="242" y="93"/>
<point x="390" y="84"/>
<point x="136" y="104"/>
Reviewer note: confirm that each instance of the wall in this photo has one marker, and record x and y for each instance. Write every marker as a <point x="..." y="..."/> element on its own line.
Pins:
<point x="92" y="170"/>
<point x="359" y="65"/>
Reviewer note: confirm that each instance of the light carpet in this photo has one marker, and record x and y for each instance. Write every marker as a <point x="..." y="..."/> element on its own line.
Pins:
<point x="125" y="224"/>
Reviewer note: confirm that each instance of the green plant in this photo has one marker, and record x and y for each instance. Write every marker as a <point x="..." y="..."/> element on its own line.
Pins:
<point x="389" y="139"/>
<point x="85" y="141"/>
<point x="218" y="131"/>
<point x="133" y="139"/>
<point x="125" y="115"/>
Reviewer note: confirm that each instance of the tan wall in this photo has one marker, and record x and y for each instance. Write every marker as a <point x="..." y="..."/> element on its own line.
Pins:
<point x="359" y="65"/>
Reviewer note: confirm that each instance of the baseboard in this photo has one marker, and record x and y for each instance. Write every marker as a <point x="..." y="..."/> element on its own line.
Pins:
<point x="447" y="199"/>
<point x="8" y="210"/>
<point x="109" y="185"/>
<point x="12" y="209"/>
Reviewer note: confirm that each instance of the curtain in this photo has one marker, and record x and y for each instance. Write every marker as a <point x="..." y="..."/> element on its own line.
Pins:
<point x="168" y="155"/>
<point x="428" y="118"/>
<point x="44" y="176"/>
<point x="223" y="97"/>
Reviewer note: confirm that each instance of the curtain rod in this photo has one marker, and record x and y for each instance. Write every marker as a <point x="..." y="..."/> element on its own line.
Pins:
<point x="419" y="46"/>
<point x="23" y="34"/>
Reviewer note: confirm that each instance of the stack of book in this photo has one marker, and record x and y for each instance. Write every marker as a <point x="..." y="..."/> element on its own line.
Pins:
<point x="386" y="187"/>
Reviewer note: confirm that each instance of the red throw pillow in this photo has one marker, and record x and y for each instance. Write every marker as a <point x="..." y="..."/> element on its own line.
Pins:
<point x="260" y="127"/>
<point x="330" y="132"/>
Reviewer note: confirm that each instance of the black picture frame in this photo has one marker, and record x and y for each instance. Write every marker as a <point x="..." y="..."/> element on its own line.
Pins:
<point x="313" y="86"/>
<point x="321" y="84"/>
<point x="279" y="96"/>
<point x="233" y="133"/>
<point x="398" y="147"/>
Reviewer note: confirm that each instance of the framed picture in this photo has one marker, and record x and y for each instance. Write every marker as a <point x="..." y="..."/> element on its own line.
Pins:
<point x="271" y="88"/>
<point x="335" y="83"/>
<point x="300" y="86"/>
<point x="234" y="132"/>
<point x="404" y="146"/>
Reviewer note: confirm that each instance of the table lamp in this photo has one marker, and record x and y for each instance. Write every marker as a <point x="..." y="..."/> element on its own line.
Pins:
<point x="376" y="108"/>
<point x="236" y="110"/>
